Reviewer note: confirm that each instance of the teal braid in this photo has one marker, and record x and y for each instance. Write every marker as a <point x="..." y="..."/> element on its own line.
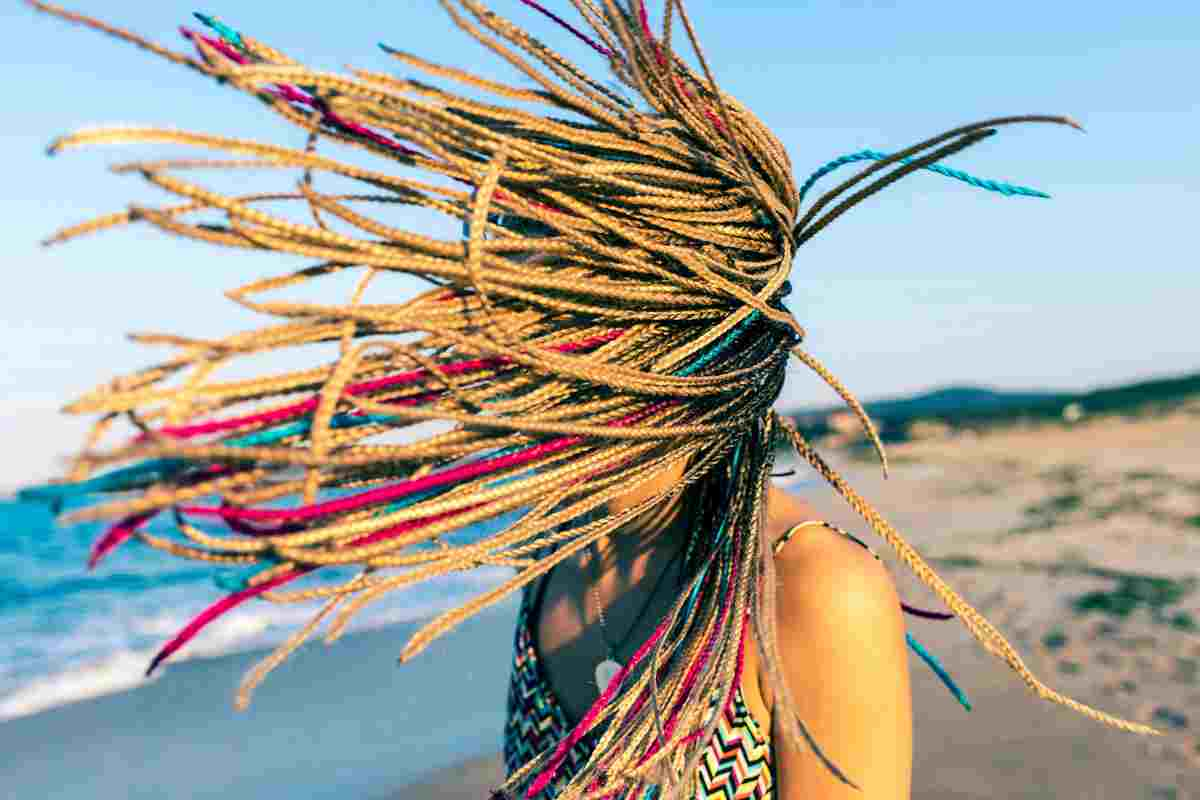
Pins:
<point x="339" y="421"/>
<point x="138" y="475"/>
<point x="231" y="581"/>
<point x="229" y="35"/>
<point x="119" y="480"/>
<point x="708" y="356"/>
<point x="938" y="670"/>
<point x="1006" y="189"/>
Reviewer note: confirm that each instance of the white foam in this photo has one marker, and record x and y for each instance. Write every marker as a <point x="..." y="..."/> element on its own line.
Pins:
<point x="251" y="628"/>
<point x="118" y="672"/>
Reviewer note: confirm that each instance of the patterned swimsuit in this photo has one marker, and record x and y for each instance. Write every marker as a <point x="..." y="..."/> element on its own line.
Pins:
<point x="737" y="765"/>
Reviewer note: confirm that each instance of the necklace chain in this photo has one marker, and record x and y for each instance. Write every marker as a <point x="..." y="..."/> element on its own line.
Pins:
<point x="611" y="648"/>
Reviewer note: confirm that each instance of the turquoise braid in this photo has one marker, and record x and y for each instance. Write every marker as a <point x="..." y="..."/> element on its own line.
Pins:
<point x="874" y="155"/>
<point x="938" y="670"/>
<point x="229" y="35"/>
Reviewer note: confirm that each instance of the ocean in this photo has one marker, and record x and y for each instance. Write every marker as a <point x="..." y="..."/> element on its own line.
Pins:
<point x="67" y="634"/>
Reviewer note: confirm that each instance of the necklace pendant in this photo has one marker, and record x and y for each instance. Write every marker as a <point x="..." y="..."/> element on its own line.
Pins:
<point x="606" y="670"/>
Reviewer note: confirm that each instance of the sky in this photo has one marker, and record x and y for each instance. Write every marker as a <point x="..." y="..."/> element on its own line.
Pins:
<point x="927" y="284"/>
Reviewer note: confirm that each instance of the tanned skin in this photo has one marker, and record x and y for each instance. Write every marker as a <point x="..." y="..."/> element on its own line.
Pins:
<point x="841" y="640"/>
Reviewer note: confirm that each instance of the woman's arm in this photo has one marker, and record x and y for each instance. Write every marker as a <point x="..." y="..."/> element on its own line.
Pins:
<point x="841" y="639"/>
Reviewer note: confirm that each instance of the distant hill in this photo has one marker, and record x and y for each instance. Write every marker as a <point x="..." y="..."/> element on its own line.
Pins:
<point x="958" y="400"/>
<point x="1164" y="392"/>
<point x="972" y="406"/>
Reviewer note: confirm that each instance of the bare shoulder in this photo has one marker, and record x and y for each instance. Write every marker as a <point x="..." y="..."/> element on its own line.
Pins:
<point x="843" y="652"/>
<point x="815" y="546"/>
<point x="817" y="557"/>
<point x="829" y="581"/>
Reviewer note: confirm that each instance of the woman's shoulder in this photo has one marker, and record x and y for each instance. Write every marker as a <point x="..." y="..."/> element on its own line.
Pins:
<point x="822" y="570"/>
<point x="843" y="655"/>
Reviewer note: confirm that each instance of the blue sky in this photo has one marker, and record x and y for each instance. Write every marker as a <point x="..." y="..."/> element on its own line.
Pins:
<point x="927" y="284"/>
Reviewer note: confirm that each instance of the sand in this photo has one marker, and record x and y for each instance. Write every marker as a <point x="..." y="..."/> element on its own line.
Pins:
<point x="1033" y="512"/>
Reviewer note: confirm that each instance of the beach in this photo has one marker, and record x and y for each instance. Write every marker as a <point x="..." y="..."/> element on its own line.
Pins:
<point x="339" y="721"/>
<point x="1077" y="541"/>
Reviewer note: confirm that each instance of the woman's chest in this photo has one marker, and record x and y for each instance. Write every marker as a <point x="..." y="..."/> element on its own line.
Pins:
<point x="574" y="626"/>
<point x="736" y="762"/>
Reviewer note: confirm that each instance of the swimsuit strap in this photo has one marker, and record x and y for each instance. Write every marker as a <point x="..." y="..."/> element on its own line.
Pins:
<point x="913" y="644"/>
<point x="815" y="523"/>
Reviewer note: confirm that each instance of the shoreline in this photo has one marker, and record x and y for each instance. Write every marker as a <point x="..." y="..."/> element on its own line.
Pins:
<point x="331" y="722"/>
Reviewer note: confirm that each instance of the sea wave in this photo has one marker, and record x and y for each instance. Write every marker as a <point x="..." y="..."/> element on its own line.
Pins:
<point x="67" y="634"/>
<point x="119" y="671"/>
<point x="99" y="660"/>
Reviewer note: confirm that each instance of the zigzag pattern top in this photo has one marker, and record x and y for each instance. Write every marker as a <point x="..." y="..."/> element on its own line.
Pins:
<point x="735" y="766"/>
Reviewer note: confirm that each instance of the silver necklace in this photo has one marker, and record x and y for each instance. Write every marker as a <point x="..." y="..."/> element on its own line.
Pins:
<point x="607" y="669"/>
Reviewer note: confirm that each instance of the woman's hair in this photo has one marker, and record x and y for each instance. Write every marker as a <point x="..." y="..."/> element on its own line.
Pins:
<point x="612" y="308"/>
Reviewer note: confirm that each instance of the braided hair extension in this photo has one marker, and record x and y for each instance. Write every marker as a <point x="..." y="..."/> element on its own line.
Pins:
<point x="612" y="309"/>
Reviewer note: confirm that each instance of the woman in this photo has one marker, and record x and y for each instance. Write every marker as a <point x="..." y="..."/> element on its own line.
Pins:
<point x="606" y="340"/>
<point x="841" y="642"/>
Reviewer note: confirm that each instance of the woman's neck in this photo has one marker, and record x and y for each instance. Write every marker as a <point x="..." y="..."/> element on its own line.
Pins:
<point x="661" y="529"/>
<point x="660" y="524"/>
